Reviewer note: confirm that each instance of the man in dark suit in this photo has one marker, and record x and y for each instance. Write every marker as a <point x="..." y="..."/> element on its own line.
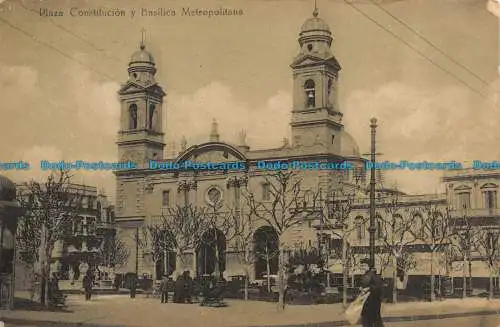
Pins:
<point x="88" y="280"/>
<point x="371" y="316"/>
<point x="164" y="289"/>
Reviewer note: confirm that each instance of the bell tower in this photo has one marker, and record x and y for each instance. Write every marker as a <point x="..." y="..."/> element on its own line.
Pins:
<point x="140" y="137"/>
<point x="316" y="116"/>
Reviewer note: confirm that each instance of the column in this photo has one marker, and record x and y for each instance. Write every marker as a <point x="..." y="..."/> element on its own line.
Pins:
<point x="193" y="190"/>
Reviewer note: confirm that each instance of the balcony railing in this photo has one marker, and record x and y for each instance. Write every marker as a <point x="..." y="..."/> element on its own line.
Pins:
<point x="470" y="213"/>
<point x="104" y="225"/>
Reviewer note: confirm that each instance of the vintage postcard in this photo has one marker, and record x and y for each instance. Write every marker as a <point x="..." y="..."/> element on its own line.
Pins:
<point x="250" y="163"/>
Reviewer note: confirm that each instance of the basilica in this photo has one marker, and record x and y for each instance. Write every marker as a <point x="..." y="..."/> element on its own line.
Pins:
<point x="318" y="135"/>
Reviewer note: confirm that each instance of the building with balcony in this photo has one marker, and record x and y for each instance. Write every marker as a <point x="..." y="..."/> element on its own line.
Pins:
<point x="83" y="238"/>
<point x="472" y="195"/>
<point x="447" y="223"/>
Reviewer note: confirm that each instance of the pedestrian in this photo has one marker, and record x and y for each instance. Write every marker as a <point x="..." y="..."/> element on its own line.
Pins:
<point x="188" y="287"/>
<point x="164" y="289"/>
<point x="179" y="290"/>
<point x="370" y="315"/>
<point x="87" y="285"/>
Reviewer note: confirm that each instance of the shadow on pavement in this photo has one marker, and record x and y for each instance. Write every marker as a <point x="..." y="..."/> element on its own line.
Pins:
<point x="28" y="305"/>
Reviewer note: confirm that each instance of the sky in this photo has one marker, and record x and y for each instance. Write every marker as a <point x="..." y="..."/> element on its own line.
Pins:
<point x="426" y="69"/>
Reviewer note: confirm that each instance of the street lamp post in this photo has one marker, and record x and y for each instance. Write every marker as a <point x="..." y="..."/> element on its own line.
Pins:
<point x="372" y="228"/>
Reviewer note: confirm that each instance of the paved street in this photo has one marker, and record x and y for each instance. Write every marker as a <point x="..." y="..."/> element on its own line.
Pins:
<point x="122" y="311"/>
<point x="485" y="321"/>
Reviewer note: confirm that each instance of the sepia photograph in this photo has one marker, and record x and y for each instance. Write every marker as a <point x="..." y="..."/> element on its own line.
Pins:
<point x="250" y="163"/>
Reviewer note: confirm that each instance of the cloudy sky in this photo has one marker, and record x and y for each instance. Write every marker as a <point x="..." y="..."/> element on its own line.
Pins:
<point x="427" y="69"/>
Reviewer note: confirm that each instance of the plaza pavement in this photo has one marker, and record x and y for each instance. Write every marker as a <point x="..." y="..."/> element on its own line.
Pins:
<point x="120" y="310"/>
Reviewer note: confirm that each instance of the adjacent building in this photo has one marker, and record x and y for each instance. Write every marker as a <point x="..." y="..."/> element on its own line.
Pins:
<point x="83" y="236"/>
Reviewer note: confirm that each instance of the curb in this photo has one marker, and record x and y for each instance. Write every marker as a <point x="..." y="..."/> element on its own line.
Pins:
<point x="341" y="323"/>
<point x="44" y="323"/>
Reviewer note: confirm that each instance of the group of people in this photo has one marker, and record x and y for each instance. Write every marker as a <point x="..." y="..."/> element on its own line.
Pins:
<point x="183" y="288"/>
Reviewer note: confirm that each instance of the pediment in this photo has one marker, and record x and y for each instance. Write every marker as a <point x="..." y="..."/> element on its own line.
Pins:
<point x="489" y="185"/>
<point x="463" y="188"/>
<point x="213" y="152"/>
<point x="314" y="60"/>
<point x="131" y="87"/>
<point x="306" y="60"/>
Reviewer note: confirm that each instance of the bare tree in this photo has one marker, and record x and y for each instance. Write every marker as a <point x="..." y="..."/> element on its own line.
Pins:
<point x="51" y="207"/>
<point x="186" y="225"/>
<point x="397" y="233"/>
<point x="242" y="227"/>
<point x="285" y="209"/>
<point x="485" y="242"/>
<point x="462" y="246"/>
<point x="219" y="229"/>
<point x="437" y="232"/>
<point x="336" y="219"/>
<point x="114" y="253"/>
<point x="155" y="240"/>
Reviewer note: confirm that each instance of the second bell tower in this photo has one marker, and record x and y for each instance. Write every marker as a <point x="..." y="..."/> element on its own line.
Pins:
<point x="140" y="138"/>
<point x="316" y="116"/>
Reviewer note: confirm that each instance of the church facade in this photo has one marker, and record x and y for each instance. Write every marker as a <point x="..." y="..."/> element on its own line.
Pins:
<point x="318" y="135"/>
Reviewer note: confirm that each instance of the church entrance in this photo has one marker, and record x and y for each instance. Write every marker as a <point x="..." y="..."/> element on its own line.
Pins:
<point x="266" y="246"/>
<point x="166" y="265"/>
<point x="211" y="254"/>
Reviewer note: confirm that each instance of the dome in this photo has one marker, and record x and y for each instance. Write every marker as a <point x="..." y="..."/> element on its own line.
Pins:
<point x="7" y="189"/>
<point x="315" y="24"/>
<point x="348" y="146"/>
<point x="142" y="56"/>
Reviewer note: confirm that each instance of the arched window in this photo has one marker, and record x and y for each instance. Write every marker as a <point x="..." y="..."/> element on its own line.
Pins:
<point x="396" y="223"/>
<point x="152" y="108"/>
<point x="133" y="116"/>
<point x="380" y="227"/>
<point x="439" y="227"/>
<point x="309" y="88"/>
<point x="490" y="199"/>
<point x="463" y="200"/>
<point x="360" y="228"/>
<point x="419" y="225"/>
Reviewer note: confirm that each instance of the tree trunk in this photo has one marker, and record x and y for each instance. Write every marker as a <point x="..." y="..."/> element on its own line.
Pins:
<point x="165" y="262"/>
<point x="492" y="286"/>
<point x="282" y="283"/>
<point x="344" y="272"/>
<point x="247" y="276"/>
<point x="268" y="271"/>
<point x="464" y="294"/>
<point x="217" y="259"/>
<point x="247" y="260"/>
<point x="180" y="263"/>
<point x="394" y="280"/>
<point x="433" y="278"/>
<point x="46" y="284"/>
<point x="39" y="286"/>
<point x="440" y="286"/>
